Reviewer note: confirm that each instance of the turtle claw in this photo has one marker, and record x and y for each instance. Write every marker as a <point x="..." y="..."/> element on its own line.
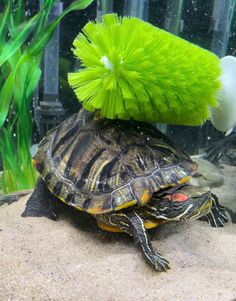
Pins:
<point x="158" y="262"/>
<point x="217" y="216"/>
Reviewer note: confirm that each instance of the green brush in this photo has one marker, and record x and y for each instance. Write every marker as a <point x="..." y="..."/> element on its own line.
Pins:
<point x="133" y="70"/>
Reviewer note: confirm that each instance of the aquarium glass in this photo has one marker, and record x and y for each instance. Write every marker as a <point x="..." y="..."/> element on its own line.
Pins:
<point x="118" y="150"/>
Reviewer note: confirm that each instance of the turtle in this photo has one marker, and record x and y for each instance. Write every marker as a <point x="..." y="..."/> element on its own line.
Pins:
<point x="126" y="174"/>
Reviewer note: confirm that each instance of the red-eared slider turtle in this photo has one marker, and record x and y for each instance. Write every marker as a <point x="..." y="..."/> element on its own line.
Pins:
<point x="126" y="174"/>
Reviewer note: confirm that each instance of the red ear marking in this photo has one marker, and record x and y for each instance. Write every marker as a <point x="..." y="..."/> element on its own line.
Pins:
<point x="179" y="197"/>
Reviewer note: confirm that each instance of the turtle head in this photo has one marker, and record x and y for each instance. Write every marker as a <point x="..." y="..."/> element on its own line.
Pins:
<point x="184" y="202"/>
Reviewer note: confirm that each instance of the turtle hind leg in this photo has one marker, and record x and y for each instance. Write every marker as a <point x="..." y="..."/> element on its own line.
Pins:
<point x="217" y="216"/>
<point x="132" y="224"/>
<point x="42" y="203"/>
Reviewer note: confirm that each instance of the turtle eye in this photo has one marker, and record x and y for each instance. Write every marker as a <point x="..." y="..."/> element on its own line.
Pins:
<point x="179" y="197"/>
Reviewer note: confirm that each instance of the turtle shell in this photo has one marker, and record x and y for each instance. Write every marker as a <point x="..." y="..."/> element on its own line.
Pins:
<point x="100" y="165"/>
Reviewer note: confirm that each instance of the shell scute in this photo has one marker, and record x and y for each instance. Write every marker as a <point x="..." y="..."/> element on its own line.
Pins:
<point x="104" y="165"/>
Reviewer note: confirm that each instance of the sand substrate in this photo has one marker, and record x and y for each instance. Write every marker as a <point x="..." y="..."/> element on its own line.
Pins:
<point x="72" y="260"/>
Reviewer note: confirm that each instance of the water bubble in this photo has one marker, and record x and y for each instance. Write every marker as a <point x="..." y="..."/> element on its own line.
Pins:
<point x="27" y="13"/>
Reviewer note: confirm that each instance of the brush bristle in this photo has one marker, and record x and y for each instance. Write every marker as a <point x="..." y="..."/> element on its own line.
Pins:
<point x="133" y="70"/>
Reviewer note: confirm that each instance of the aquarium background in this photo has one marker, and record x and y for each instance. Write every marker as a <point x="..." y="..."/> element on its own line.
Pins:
<point x="71" y="258"/>
<point x="209" y="24"/>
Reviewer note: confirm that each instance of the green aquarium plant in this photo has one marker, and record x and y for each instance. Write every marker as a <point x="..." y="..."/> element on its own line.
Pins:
<point x="22" y="41"/>
<point x="133" y="70"/>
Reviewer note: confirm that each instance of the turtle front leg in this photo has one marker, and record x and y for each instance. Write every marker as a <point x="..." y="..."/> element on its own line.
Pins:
<point x="42" y="202"/>
<point x="217" y="216"/>
<point x="133" y="224"/>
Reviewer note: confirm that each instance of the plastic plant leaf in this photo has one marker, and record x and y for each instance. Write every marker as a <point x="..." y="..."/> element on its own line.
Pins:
<point x="9" y="152"/>
<point x="11" y="27"/>
<point x="80" y="4"/>
<point x="21" y="34"/>
<point x="44" y="37"/>
<point x="44" y="12"/>
<point x="42" y="40"/>
<point x="20" y="75"/>
<point x="33" y="78"/>
<point x="6" y="97"/>
<point x="19" y="15"/>
<point x="20" y="85"/>
<point x="4" y="20"/>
